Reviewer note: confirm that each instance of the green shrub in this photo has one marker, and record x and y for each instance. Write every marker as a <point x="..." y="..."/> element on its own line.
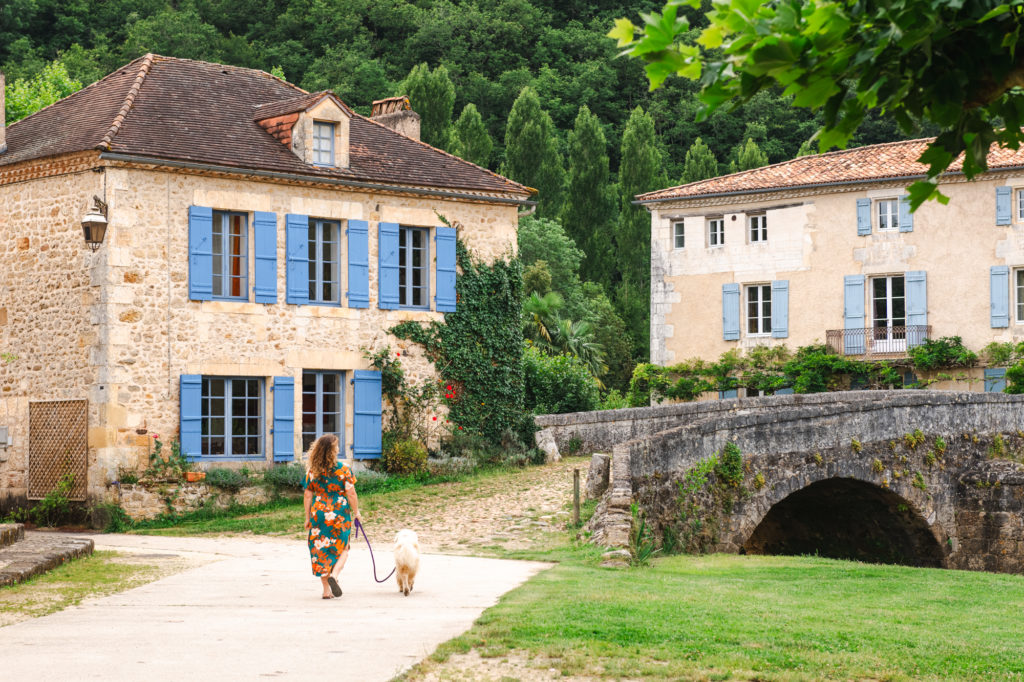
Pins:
<point x="227" y="479"/>
<point x="56" y="506"/>
<point x="286" y="476"/>
<point x="729" y="468"/>
<point x="613" y="400"/>
<point x="405" y="457"/>
<point x="1015" y="378"/>
<point x="557" y="384"/>
<point x="948" y="351"/>
<point x="110" y="517"/>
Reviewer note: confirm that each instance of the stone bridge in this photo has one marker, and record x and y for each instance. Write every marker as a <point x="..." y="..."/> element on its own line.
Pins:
<point x="924" y="478"/>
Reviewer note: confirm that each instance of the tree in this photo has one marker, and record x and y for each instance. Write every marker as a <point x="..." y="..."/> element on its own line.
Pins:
<point x="589" y="208"/>
<point x="432" y="96"/>
<point x="24" y="97"/>
<point x="531" y="152"/>
<point x="700" y="163"/>
<point x="641" y="170"/>
<point x="470" y="140"/>
<point x="748" y="156"/>
<point x="953" y="64"/>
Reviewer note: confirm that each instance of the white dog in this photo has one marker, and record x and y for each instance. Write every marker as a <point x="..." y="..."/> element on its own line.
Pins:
<point x="407" y="559"/>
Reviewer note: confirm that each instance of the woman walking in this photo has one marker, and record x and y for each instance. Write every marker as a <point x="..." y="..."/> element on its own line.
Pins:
<point x="330" y="505"/>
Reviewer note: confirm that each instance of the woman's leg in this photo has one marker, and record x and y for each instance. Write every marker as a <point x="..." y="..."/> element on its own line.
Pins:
<point x="327" y="588"/>
<point x="340" y="563"/>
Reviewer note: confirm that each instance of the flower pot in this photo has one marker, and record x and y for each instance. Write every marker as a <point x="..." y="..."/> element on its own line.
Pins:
<point x="194" y="476"/>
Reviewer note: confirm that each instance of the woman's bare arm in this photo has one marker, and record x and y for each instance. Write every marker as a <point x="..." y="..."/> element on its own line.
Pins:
<point x="353" y="500"/>
<point x="307" y="503"/>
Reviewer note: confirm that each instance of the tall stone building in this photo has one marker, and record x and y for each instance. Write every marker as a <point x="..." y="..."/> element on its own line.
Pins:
<point x="258" y="240"/>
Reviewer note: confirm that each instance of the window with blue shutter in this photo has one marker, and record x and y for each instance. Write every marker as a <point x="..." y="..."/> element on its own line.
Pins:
<point x="265" y="242"/>
<point x="999" y="296"/>
<point x="917" y="307"/>
<point x="190" y="408"/>
<point x="284" y="419"/>
<point x="296" y="248"/>
<point x="444" y="249"/>
<point x="853" y="315"/>
<point x="780" y="308"/>
<point x="200" y="253"/>
<point x="366" y="427"/>
<point x="906" y="217"/>
<point x="1004" y="205"/>
<point x="358" y="234"/>
<point x="731" y="393"/>
<point x="784" y="391"/>
<point x="731" y="312"/>
<point x="995" y="380"/>
<point x="387" y="262"/>
<point x="863" y="216"/>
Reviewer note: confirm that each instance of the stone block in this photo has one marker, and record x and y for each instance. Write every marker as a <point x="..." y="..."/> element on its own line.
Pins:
<point x="597" y="476"/>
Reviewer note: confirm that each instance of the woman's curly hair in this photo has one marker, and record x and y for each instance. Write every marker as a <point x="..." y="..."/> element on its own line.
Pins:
<point x="323" y="455"/>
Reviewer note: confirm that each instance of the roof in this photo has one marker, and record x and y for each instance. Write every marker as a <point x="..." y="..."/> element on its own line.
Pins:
<point x="294" y="105"/>
<point x="189" y="111"/>
<point x="890" y="161"/>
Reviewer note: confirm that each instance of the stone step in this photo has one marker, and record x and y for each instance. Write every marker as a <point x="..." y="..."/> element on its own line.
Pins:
<point x="39" y="552"/>
<point x="11" y="533"/>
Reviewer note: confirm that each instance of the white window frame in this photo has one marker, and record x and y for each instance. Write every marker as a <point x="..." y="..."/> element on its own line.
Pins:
<point x="887" y="212"/>
<point x="757" y="228"/>
<point x="323" y="143"/>
<point x="887" y="339"/>
<point x="679" y="235"/>
<point x="1020" y="205"/>
<point x="761" y="319"/>
<point x="1018" y="295"/>
<point x="716" y="232"/>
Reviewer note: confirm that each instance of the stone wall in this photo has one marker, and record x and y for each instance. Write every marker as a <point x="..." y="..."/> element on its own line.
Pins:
<point x="145" y="502"/>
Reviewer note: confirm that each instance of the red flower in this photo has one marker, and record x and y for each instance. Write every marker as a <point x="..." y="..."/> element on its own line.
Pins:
<point x="435" y="418"/>
<point x="460" y="428"/>
<point x="155" y="436"/>
<point x="448" y="387"/>
<point x="398" y="354"/>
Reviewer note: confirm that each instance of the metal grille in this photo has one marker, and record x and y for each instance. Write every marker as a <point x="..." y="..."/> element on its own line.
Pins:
<point x="57" y="445"/>
<point x="877" y="342"/>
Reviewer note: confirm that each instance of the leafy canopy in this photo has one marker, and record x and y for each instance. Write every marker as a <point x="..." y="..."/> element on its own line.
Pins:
<point x="950" y="63"/>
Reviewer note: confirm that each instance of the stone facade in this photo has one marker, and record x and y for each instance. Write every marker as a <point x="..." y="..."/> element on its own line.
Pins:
<point x="117" y="327"/>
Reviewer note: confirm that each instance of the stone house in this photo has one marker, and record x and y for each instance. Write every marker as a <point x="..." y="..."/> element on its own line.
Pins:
<point x="259" y="239"/>
<point x="824" y="249"/>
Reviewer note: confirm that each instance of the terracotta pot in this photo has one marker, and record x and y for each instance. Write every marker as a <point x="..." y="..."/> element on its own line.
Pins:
<point x="194" y="476"/>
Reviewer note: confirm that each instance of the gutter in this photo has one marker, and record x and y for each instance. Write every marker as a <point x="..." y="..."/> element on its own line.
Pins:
<point x="278" y="175"/>
<point x="837" y="183"/>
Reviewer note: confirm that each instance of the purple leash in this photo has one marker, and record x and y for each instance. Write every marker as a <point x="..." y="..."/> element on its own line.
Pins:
<point x="359" y="527"/>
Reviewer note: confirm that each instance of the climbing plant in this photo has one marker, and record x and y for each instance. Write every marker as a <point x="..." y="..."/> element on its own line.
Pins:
<point x="478" y="349"/>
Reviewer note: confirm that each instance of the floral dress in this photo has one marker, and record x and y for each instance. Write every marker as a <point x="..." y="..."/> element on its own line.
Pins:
<point x="332" y="518"/>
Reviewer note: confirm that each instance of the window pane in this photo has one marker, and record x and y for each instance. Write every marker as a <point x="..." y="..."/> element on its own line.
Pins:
<point x="1020" y="295"/>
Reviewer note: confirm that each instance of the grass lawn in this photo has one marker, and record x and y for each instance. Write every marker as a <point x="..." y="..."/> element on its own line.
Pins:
<point x="771" y="618"/>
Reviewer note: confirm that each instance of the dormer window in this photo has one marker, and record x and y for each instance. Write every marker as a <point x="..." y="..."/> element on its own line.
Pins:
<point x="323" y="143"/>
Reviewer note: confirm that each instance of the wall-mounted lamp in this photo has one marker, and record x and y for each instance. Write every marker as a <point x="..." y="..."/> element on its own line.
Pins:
<point x="94" y="224"/>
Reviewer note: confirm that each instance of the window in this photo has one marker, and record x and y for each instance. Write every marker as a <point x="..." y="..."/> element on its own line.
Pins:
<point x="716" y="232"/>
<point x="759" y="309"/>
<point x="324" y="261"/>
<point x="758" y="228"/>
<point x="888" y="214"/>
<point x="679" y="234"/>
<point x="412" y="267"/>
<point x="1018" y="288"/>
<point x="230" y="255"/>
<point x="1020" y="205"/>
<point x="889" y="314"/>
<point x="323" y="406"/>
<point x="232" y="424"/>
<point x="323" y="143"/>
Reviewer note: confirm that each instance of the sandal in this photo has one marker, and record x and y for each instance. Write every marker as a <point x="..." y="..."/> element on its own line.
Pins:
<point x="335" y="587"/>
<point x="327" y="596"/>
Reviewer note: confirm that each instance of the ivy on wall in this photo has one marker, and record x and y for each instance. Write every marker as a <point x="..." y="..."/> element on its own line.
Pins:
<point x="478" y="349"/>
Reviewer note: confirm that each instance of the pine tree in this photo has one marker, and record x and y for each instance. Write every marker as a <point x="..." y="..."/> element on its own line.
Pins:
<point x="700" y="163"/>
<point x="589" y="208"/>
<point x="470" y="139"/>
<point x="531" y="153"/>
<point x="641" y="170"/>
<point x="748" y="157"/>
<point x="432" y="96"/>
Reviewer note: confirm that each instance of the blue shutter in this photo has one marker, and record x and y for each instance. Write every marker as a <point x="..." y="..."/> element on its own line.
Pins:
<point x="200" y="253"/>
<point x="296" y="230"/>
<point x="190" y="407"/>
<point x="853" y="315"/>
<point x="917" y="307"/>
<point x="366" y="429"/>
<point x="731" y="312"/>
<point x="863" y="216"/>
<point x="1004" y="208"/>
<point x="731" y="393"/>
<point x="780" y="308"/>
<point x="999" y="296"/>
<point x="444" y="248"/>
<point x="906" y="217"/>
<point x="387" y="261"/>
<point x="358" y="233"/>
<point x="264" y="227"/>
<point x="784" y="391"/>
<point x="995" y="380"/>
<point x="284" y="419"/>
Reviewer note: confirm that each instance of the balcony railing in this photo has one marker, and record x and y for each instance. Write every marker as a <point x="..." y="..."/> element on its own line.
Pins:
<point x="877" y="342"/>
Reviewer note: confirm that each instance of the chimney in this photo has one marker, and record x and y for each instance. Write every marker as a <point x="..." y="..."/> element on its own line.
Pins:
<point x="3" y="117"/>
<point x="397" y="114"/>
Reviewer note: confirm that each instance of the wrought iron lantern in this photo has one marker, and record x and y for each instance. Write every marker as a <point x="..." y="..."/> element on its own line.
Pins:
<point x="94" y="224"/>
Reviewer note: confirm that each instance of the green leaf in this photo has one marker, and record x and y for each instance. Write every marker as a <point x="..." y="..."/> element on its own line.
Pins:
<point x="623" y="32"/>
<point x="993" y="13"/>
<point x="816" y="93"/>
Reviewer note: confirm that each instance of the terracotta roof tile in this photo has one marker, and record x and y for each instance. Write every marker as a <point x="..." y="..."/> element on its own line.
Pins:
<point x="184" y="110"/>
<point x="874" y="162"/>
